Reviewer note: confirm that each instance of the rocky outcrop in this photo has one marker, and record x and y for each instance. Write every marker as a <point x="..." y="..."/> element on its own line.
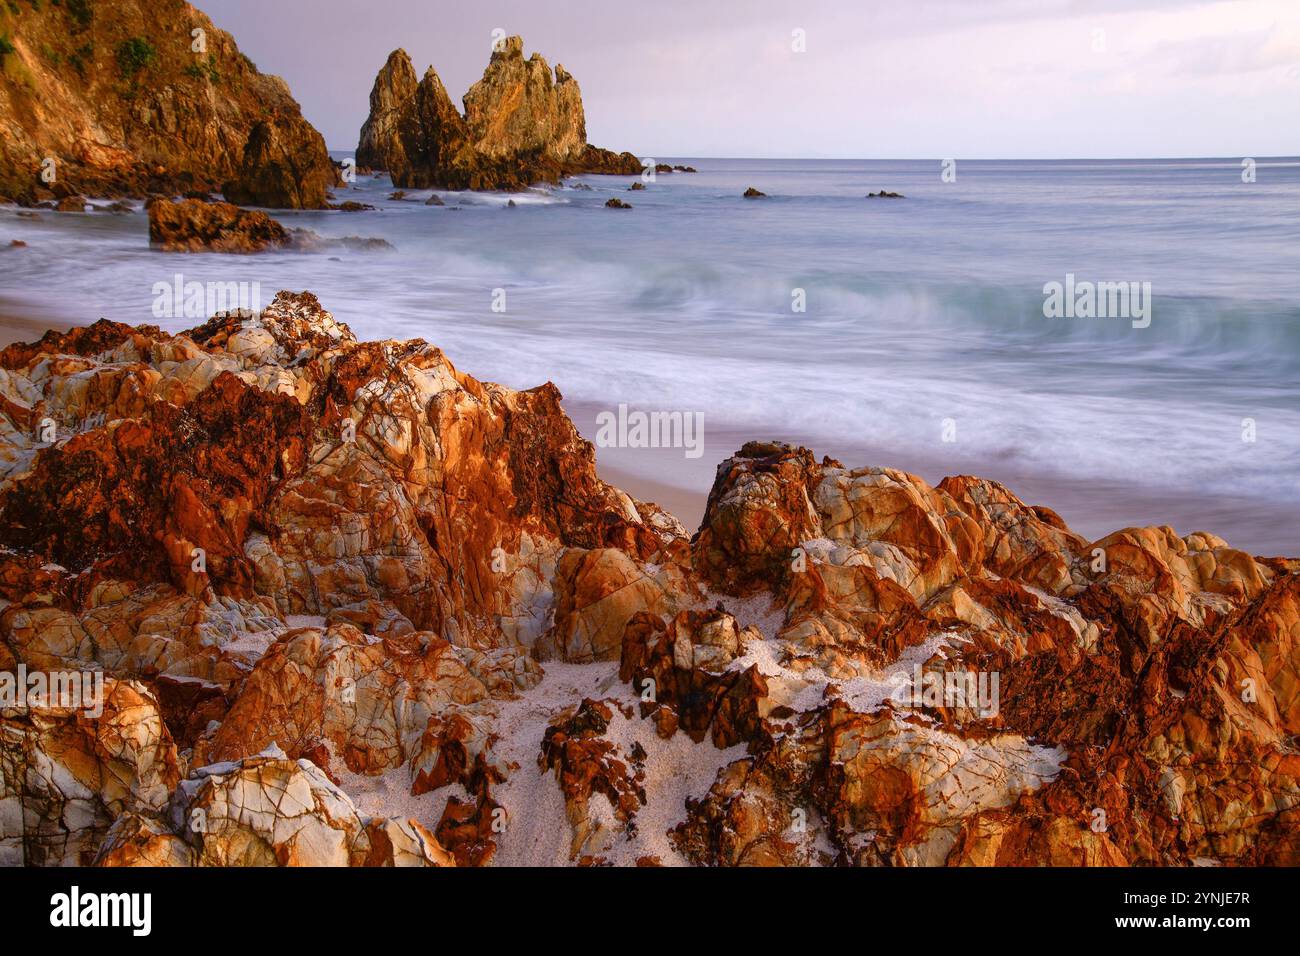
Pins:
<point x="355" y="607"/>
<point x="522" y="124"/>
<point x="192" y="225"/>
<point x="597" y="593"/>
<point x="381" y="145"/>
<point x="1122" y="660"/>
<point x="682" y="672"/>
<point x="285" y="166"/>
<point x="266" y="810"/>
<point x="197" y="225"/>
<point x="369" y="701"/>
<point x="135" y="98"/>
<point x="66" y="774"/>
<point x="586" y="766"/>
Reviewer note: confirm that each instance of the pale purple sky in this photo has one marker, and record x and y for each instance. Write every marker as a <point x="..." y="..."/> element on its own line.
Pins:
<point x="877" y="78"/>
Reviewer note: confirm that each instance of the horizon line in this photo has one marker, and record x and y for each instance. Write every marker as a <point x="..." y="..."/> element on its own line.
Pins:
<point x="1234" y="157"/>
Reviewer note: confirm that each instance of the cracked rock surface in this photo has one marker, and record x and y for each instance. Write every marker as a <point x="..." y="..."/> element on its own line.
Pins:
<point x="353" y="607"/>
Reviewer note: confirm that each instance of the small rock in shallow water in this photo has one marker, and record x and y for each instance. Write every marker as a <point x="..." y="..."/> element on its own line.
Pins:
<point x="193" y="226"/>
<point x="752" y="193"/>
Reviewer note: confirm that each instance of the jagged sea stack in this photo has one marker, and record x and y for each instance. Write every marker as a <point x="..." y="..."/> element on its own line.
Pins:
<point x="522" y="124"/>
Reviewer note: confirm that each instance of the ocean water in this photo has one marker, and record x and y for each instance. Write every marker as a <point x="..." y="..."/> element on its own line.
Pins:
<point x="923" y="343"/>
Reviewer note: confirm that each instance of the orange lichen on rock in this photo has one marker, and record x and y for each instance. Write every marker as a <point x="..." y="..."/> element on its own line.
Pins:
<point x="352" y="606"/>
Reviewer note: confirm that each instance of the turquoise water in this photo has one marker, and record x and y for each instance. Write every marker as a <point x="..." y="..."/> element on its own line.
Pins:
<point x="920" y="313"/>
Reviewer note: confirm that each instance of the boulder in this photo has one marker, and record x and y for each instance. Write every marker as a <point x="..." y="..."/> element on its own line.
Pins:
<point x="191" y="225"/>
<point x="67" y="774"/>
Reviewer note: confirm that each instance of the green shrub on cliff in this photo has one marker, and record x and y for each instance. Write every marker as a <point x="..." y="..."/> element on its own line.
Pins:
<point x="80" y="56"/>
<point x="6" y="47"/>
<point x="134" y="55"/>
<point x="205" y="71"/>
<point x="80" y="11"/>
<point x="13" y="68"/>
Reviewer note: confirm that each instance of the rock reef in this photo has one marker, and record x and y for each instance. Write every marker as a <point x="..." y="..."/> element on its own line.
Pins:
<point x="522" y="124"/>
<point x="319" y="572"/>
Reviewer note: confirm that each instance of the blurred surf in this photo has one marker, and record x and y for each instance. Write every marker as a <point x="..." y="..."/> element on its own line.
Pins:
<point x="924" y="316"/>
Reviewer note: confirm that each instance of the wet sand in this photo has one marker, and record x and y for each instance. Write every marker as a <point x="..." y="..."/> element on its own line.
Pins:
<point x="16" y="329"/>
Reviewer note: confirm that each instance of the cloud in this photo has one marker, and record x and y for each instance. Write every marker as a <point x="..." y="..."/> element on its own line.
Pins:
<point x="1006" y="78"/>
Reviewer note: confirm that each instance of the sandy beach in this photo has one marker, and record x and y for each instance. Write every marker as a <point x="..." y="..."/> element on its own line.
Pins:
<point x="16" y="329"/>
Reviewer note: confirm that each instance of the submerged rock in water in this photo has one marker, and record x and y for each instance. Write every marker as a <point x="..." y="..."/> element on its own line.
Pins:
<point x="312" y="565"/>
<point x="616" y="203"/>
<point x="752" y="193"/>
<point x="308" y="240"/>
<point x="522" y="125"/>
